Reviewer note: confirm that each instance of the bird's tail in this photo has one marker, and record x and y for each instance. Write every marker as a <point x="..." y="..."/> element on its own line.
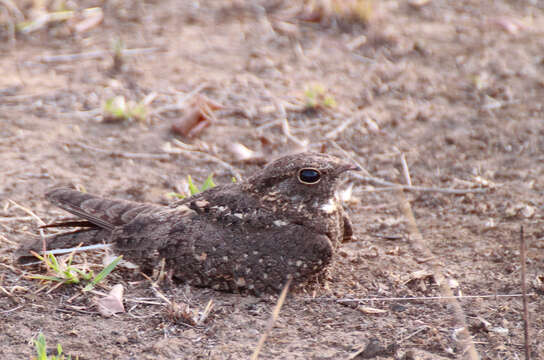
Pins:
<point x="98" y="217"/>
<point x="103" y="213"/>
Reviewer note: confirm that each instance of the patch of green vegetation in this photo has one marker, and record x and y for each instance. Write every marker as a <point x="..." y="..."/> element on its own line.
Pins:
<point x="316" y="96"/>
<point x="193" y="189"/>
<point x="63" y="271"/>
<point x="361" y="10"/>
<point x="118" y="109"/>
<point x="41" y="350"/>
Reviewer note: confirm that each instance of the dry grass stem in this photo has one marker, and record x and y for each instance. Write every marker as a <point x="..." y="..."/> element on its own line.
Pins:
<point x="6" y="240"/>
<point x="28" y="211"/>
<point x="126" y="155"/>
<point x="271" y="321"/>
<point x="463" y="338"/>
<point x="331" y="135"/>
<point x="11" y="310"/>
<point x="393" y="186"/>
<point x="93" y="55"/>
<point x="526" y="324"/>
<point x="78" y="249"/>
<point x="181" y="103"/>
<point x="419" y="298"/>
<point x="15" y="218"/>
<point x="405" y="170"/>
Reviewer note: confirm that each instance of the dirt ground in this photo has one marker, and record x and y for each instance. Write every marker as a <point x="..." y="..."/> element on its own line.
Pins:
<point x="457" y="87"/>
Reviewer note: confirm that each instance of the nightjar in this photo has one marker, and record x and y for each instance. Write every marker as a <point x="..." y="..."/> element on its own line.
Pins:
<point x="283" y="222"/>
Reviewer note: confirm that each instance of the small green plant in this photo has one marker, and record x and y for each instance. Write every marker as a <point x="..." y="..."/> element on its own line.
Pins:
<point x="316" y="96"/>
<point x="64" y="272"/>
<point x="359" y="10"/>
<point x="117" y="109"/>
<point x="193" y="189"/>
<point x="41" y="348"/>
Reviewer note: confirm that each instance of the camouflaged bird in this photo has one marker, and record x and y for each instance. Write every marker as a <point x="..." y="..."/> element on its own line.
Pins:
<point x="283" y="222"/>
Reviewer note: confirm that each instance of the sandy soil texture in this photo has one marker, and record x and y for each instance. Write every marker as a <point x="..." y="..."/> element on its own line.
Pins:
<point x="457" y="88"/>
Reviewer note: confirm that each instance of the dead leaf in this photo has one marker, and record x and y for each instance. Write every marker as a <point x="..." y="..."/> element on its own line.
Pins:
<point x="189" y="121"/>
<point x="198" y="116"/>
<point x="112" y="303"/>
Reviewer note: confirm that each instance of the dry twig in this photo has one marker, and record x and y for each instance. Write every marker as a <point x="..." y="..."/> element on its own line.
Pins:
<point x="468" y="349"/>
<point x="526" y="324"/>
<point x="405" y="170"/>
<point x="394" y="186"/>
<point x="181" y="103"/>
<point x="271" y="321"/>
<point x="28" y="211"/>
<point x="418" y="298"/>
<point x="92" y="55"/>
<point x="127" y="155"/>
<point x="331" y="135"/>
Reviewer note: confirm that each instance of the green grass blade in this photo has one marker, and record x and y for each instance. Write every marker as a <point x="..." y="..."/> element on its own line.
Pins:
<point x="54" y="263"/>
<point x="101" y="275"/>
<point x="41" y="347"/>
<point x="192" y="187"/>
<point x="208" y="184"/>
<point x="85" y="275"/>
<point x="176" y="195"/>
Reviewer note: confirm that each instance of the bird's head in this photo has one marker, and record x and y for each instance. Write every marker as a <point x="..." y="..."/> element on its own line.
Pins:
<point x="301" y="177"/>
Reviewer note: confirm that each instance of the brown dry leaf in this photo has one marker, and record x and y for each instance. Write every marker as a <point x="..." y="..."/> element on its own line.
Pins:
<point x="198" y="116"/>
<point x="112" y="303"/>
<point x="188" y="122"/>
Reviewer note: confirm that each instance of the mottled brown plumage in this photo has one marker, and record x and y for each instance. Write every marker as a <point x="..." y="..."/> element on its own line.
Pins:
<point x="284" y="221"/>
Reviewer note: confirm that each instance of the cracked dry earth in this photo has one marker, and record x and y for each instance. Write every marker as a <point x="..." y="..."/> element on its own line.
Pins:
<point x="456" y="87"/>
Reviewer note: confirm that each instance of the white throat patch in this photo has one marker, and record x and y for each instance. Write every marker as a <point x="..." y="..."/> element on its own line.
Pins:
<point x="329" y="206"/>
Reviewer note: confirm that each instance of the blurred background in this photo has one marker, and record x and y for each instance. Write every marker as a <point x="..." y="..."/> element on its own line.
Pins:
<point x="128" y="98"/>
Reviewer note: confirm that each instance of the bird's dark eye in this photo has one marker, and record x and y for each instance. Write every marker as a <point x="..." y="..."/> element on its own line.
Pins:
<point x="309" y="176"/>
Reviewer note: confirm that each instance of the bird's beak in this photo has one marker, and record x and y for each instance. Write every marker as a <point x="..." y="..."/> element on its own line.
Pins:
<point x="348" y="167"/>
